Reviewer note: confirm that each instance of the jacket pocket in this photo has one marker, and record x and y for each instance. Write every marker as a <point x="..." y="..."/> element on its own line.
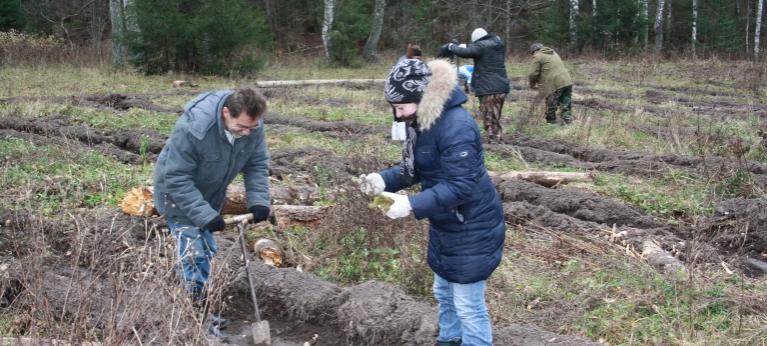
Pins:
<point x="427" y="158"/>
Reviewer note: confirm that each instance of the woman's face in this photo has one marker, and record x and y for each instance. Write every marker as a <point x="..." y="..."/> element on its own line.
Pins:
<point x="405" y="111"/>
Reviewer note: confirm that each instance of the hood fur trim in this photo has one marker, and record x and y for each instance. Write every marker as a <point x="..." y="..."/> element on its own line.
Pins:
<point x="444" y="78"/>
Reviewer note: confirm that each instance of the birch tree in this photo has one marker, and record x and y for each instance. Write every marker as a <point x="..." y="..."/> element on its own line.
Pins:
<point x="646" y="16"/>
<point x="327" y="25"/>
<point x="658" y="28"/>
<point x="118" y="16"/>
<point x="593" y="8"/>
<point x="758" y="27"/>
<point x="668" y="26"/>
<point x="573" y="23"/>
<point x="694" y="38"/>
<point x="370" y="52"/>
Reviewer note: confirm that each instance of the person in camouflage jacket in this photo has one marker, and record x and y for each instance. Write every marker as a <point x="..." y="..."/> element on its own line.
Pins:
<point x="549" y="75"/>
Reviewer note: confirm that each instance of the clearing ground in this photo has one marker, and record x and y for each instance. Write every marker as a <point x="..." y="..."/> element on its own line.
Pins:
<point x="665" y="244"/>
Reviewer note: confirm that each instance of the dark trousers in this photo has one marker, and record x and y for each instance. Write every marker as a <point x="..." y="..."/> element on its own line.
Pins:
<point x="559" y="99"/>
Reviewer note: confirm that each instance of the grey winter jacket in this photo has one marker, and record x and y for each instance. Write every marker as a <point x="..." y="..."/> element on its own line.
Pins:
<point x="198" y="163"/>
<point x="489" y="76"/>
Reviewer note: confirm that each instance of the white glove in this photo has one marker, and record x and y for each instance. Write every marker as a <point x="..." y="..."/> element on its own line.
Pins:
<point x="372" y="184"/>
<point x="401" y="206"/>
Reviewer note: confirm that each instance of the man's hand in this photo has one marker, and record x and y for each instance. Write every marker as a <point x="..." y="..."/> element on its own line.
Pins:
<point x="400" y="208"/>
<point x="216" y="225"/>
<point x="260" y="213"/>
<point x="372" y="184"/>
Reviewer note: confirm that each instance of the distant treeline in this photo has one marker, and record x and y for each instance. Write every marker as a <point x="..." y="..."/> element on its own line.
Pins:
<point x="236" y="36"/>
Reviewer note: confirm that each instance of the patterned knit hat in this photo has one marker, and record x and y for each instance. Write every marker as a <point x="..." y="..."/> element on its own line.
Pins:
<point x="407" y="81"/>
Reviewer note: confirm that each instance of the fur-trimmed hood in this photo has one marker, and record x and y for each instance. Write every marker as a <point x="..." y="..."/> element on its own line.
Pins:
<point x="444" y="79"/>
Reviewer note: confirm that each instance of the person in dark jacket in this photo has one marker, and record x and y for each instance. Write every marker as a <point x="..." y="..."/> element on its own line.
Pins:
<point x="219" y="135"/>
<point x="413" y="51"/>
<point x="549" y="75"/>
<point x="489" y="80"/>
<point x="443" y="152"/>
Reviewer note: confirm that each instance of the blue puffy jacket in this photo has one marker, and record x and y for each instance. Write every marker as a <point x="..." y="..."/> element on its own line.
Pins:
<point x="467" y="227"/>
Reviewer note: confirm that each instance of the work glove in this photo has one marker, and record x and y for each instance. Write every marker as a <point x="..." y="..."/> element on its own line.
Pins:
<point x="260" y="213"/>
<point x="216" y="225"/>
<point x="372" y="184"/>
<point x="401" y="206"/>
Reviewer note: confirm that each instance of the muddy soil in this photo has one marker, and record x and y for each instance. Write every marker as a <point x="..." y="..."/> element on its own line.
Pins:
<point x="297" y="305"/>
<point x="130" y="140"/>
<point x="115" y="101"/>
<point x="342" y="128"/>
<point x="627" y="161"/>
<point x="578" y="203"/>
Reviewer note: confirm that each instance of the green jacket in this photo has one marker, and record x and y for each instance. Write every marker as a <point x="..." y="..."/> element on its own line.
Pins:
<point x="198" y="163"/>
<point x="548" y="72"/>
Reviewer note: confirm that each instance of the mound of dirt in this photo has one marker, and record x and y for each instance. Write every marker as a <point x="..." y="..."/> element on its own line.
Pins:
<point x="578" y="203"/>
<point x="134" y="141"/>
<point x="739" y="225"/>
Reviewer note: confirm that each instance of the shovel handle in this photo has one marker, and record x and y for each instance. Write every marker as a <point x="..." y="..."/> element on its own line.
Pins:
<point x="238" y="219"/>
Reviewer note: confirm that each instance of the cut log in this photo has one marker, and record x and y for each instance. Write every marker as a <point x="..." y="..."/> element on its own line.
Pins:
<point x="547" y="179"/>
<point x="138" y="201"/>
<point x="288" y="216"/>
<point x="26" y="341"/>
<point x="284" y="83"/>
<point x="660" y="258"/>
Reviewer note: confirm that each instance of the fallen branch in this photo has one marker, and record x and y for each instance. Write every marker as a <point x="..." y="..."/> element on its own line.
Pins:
<point x="283" y="83"/>
<point x="547" y="179"/>
<point x="138" y="202"/>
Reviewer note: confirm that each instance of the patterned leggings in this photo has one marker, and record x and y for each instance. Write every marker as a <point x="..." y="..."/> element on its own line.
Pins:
<point x="561" y="98"/>
<point x="490" y="107"/>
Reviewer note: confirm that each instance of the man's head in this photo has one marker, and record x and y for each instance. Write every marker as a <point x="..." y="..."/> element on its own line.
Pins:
<point x="535" y="47"/>
<point x="405" y="86"/>
<point x="477" y="34"/>
<point x="242" y="111"/>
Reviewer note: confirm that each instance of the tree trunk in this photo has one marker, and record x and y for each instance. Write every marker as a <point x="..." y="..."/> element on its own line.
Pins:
<point x="573" y="23"/>
<point x="117" y="15"/>
<point x="593" y="8"/>
<point x="667" y="27"/>
<point x="748" y="27"/>
<point x="509" y="21"/>
<point x="543" y="178"/>
<point x="658" y="28"/>
<point x="370" y="52"/>
<point x="758" y="27"/>
<point x="694" y="38"/>
<point x="271" y="17"/>
<point x="327" y="26"/>
<point x="646" y="14"/>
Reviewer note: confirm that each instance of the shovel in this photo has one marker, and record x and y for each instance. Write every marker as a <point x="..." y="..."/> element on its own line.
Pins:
<point x="260" y="329"/>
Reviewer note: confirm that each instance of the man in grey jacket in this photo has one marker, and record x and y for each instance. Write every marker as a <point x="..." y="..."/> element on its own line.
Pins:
<point x="219" y="135"/>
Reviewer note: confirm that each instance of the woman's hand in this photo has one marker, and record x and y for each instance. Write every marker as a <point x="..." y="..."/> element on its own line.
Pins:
<point x="401" y="206"/>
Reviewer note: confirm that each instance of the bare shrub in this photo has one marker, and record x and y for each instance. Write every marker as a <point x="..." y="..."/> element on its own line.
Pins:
<point x="110" y="279"/>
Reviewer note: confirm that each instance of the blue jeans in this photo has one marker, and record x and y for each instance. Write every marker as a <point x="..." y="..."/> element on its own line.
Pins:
<point x="196" y="247"/>
<point x="462" y="312"/>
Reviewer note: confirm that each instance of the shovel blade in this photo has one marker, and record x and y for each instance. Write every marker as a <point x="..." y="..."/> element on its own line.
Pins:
<point x="261" y="336"/>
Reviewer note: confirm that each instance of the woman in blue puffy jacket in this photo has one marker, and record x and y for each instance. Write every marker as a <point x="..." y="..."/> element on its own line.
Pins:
<point x="443" y="152"/>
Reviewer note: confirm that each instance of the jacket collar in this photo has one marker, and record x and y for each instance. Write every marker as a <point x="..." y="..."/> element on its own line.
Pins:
<point x="444" y="78"/>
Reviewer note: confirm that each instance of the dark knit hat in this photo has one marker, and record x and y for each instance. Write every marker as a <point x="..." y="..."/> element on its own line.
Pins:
<point x="407" y="81"/>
